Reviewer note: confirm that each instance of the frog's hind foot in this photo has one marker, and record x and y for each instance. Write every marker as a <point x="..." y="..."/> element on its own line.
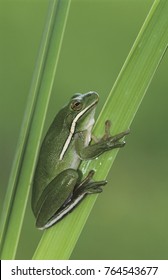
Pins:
<point x="88" y="186"/>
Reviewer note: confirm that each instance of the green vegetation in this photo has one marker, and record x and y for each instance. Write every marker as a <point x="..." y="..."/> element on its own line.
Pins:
<point x="121" y="106"/>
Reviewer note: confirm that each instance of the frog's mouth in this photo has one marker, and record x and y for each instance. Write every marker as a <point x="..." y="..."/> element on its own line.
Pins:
<point x="85" y="112"/>
<point x="92" y="105"/>
<point x="88" y="118"/>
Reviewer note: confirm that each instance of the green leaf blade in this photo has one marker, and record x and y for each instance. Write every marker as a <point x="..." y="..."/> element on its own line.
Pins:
<point x="22" y="173"/>
<point x="123" y="102"/>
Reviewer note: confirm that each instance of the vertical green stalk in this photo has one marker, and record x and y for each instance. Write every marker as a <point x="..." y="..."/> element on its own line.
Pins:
<point x="27" y="150"/>
<point x="123" y="102"/>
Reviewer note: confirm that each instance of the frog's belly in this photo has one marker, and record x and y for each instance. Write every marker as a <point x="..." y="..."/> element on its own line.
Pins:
<point x="70" y="161"/>
<point x="75" y="161"/>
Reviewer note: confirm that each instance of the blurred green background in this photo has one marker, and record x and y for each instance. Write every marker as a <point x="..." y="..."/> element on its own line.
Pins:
<point x="129" y="220"/>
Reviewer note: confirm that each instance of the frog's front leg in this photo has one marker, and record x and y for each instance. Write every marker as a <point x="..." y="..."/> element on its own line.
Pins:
<point x="106" y="143"/>
<point x="61" y="196"/>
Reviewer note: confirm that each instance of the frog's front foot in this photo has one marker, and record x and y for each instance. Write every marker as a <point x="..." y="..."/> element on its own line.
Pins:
<point x="112" y="141"/>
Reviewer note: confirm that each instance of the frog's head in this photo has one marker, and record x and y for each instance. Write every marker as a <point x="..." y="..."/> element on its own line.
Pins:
<point x="81" y="110"/>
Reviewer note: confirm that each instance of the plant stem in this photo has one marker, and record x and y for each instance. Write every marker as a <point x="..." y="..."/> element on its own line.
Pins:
<point x="123" y="102"/>
<point x="27" y="150"/>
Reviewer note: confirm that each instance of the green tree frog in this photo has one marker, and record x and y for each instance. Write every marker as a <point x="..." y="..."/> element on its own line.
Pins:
<point x="57" y="185"/>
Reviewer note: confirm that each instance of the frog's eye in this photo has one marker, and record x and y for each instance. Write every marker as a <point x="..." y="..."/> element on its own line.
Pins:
<point x="76" y="105"/>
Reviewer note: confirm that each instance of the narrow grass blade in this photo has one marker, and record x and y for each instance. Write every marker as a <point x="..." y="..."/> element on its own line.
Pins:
<point x="26" y="125"/>
<point x="22" y="172"/>
<point x="121" y="106"/>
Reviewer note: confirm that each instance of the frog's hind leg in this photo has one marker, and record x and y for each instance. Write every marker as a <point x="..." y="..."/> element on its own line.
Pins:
<point x="58" y="191"/>
<point x="87" y="186"/>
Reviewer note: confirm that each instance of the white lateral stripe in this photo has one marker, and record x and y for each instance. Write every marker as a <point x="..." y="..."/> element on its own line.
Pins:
<point x="72" y="130"/>
<point x="66" y="146"/>
<point x="63" y="212"/>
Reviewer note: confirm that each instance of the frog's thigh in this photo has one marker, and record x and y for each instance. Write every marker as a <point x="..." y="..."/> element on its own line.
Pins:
<point x="55" y="194"/>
